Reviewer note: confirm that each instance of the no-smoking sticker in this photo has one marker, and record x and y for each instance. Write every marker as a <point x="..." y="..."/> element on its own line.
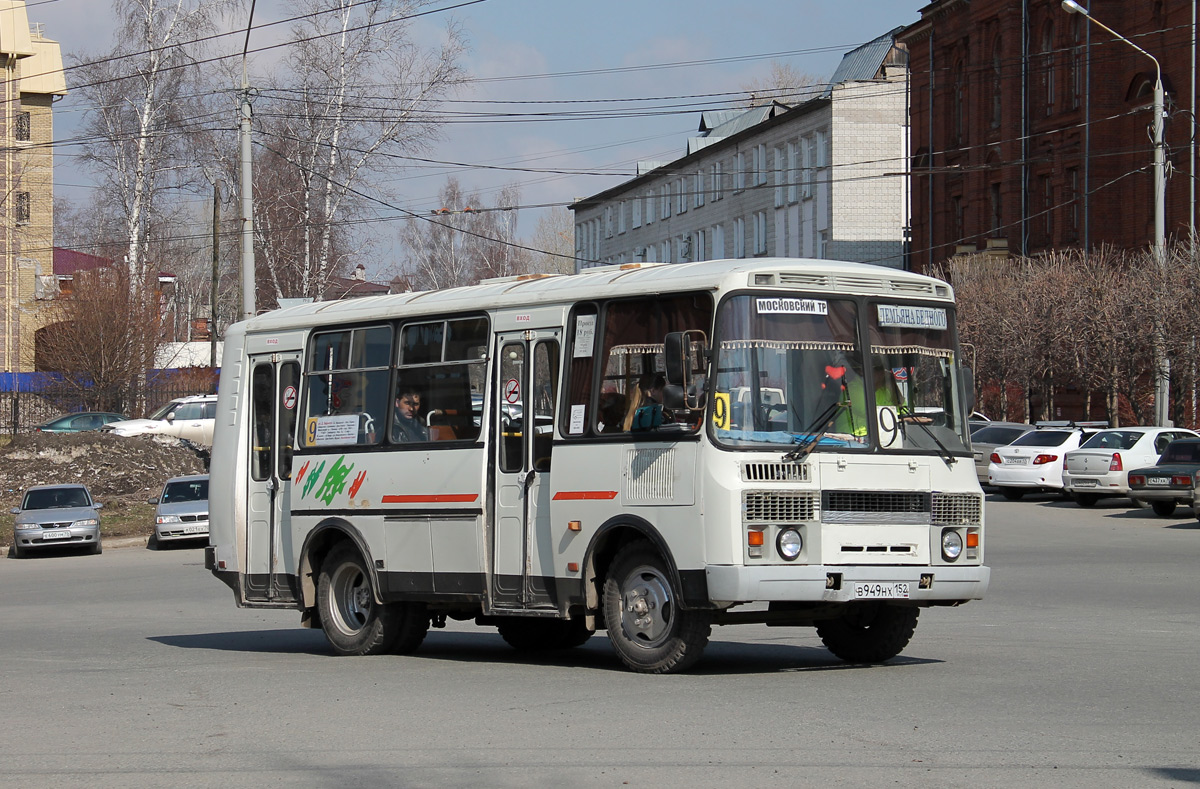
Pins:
<point x="512" y="391"/>
<point x="289" y="398"/>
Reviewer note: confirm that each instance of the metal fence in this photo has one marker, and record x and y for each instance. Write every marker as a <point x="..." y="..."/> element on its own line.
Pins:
<point x="24" y="406"/>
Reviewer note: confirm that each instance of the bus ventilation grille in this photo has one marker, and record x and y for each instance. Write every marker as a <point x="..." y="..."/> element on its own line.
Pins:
<point x="774" y="507"/>
<point x="954" y="509"/>
<point x="775" y="472"/>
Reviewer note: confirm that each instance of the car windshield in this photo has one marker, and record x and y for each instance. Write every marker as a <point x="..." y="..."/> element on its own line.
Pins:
<point x="1043" y="438"/>
<point x="1113" y="439"/>
<point x="189" y="490"/>
<point x="997" y="435"/>
<point x="1181" y="452"/>
<point x="789" y="369"/>
<point x="161" y="412"/>
<point x="55" y="498"/>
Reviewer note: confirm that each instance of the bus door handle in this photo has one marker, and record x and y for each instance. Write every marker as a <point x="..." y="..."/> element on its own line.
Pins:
<point x="527" y="483"/>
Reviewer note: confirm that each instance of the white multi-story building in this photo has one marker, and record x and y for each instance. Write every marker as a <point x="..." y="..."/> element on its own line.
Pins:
<point x="824" y="179"/>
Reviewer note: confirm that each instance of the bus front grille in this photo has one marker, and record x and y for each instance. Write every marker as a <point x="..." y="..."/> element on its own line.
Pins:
<point x="778" y="507"/>
<point x="774" y="472"/>
<point x="953" y="509"/>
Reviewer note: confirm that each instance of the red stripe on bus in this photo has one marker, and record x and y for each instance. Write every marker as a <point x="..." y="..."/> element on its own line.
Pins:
<point x="444" y="498"/>
<point x="585" y="495"/>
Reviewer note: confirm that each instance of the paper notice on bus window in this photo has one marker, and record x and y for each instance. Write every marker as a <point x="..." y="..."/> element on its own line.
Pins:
<point x="908" y="317"/>
<point x="578" y="415"/>
<point x="793" y="306"/>
<point x="585" y="335"/>
<point x="332" y="430"/>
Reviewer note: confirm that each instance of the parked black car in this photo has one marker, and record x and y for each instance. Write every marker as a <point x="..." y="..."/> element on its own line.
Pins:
<point x="1172" y="481"/>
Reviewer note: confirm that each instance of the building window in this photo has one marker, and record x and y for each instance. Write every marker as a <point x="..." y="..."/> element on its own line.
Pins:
<point x="681" y="196"/>
<point x="608" y="221"/>
<point x="650" y="207"/>
<point x="996" y="83"/>
<point x="958" y="110"/>
<point x="718" y="242"/>
<point x="739" y="176"/>
<point x="21" y="128"/>
<point x="665" y="202"/>
<point x="822" y="153"/>
<point x="956" y="212"/>
<point x="997" y="216"/>
<point x="792" y="175"/>
<point x="1073" y="185"/>
<point x="760" y="169"/>
<point x="666" y="251"/>
<point x="806" y="168"/>
<point x="621" y="217"/>
<point x="698" y="246"/>
<point x="823" y="244"/>
<point x="739" y="238"/>
<point x="780" y="185"/>
<point x="699" y="189"/>
<point x="1047" y="193"/>
<point x="637" y="213"/>
<point x="760" y="233"/>
<point x="22" y="210"/>
<point x="1076" y="78"/>
<point x="717" y="186"/>
<point x="1047" y="66"/>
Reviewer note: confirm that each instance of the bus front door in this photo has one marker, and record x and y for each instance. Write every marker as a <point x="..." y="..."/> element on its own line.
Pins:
<point x="274" y="403"/>
<point x="523" y="427"/>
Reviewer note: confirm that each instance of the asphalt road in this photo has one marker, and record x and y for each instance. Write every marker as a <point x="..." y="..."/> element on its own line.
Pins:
<point x="134" y="669"/>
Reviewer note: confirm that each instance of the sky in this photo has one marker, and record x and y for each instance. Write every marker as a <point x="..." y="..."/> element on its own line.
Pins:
<point x="555" y="51"/>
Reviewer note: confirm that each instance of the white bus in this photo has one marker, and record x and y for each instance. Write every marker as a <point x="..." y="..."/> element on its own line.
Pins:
<point x="646" y="449"/>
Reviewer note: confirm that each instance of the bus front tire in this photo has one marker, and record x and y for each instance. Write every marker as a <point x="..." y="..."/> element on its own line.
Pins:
<point x="870" y="633"/>
<point x="543" y="635"/>
<point x="353" y="621"/>
<point x="646" y="626"/>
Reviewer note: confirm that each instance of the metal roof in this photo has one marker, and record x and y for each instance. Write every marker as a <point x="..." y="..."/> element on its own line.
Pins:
<point x="863" y="64"/>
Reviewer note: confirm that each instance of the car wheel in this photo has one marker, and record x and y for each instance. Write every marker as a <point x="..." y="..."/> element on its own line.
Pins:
<point x="543" y="635"/>
<point x="1086" y="499"/>
<point x="15" y="551"/>
<point x="152" y="543"/>
<point x="1012" y="494"/>
<point x="646" y="626"/>
<point x="98" y="548"/>
<point x="353" y="621"/>
<point x="1163" y="508"/>
<point x="869" y="633"/>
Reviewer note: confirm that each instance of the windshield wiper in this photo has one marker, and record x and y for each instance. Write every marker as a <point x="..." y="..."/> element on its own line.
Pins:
<point x="825" y="421"/>
<point x="917" y="420"/>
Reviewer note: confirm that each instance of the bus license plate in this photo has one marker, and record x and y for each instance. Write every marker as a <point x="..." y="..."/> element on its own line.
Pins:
<point x="880" y="591"/>
<point x="56" y="535"/>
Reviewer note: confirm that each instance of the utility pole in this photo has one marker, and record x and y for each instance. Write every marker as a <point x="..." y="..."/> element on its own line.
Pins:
<point x="248" y="281"/>
<point x="216" y="257"/>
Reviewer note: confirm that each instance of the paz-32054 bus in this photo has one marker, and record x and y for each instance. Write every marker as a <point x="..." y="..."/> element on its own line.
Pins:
<point x="649" y="449"/>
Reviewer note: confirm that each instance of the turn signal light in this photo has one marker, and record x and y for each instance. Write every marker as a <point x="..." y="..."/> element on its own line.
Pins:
<point x="754" y="538"/>
<point x="1040" y="459"/>
<point x="1115" y="463"/>
<point x="972" y="539"/>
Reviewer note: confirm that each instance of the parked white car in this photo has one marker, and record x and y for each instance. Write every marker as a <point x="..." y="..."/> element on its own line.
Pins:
<point x="1034" y="462"/>
<point x="1099" y="468"/>
<point x="191" y="418"/>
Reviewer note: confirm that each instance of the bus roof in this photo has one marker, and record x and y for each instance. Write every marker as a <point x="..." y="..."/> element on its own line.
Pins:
<point x="801" y="274"/>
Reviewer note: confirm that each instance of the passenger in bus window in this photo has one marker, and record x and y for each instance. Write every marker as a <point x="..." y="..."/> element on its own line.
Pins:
<point x="352" y="399"/>
<point x="407" y="426"/>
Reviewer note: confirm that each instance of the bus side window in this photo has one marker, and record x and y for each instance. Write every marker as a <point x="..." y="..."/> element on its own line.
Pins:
<point x="545" y="394"/>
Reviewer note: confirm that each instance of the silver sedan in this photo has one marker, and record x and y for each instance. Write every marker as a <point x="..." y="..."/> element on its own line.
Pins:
<point x="56" y="515"/>
<point x="182" y="511"/>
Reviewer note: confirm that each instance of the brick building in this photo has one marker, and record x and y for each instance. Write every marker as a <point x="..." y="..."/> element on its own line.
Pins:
<point x="1030" y="125"/>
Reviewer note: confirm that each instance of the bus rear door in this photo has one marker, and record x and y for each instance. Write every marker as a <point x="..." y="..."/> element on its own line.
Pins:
<point x="274" y="404"/>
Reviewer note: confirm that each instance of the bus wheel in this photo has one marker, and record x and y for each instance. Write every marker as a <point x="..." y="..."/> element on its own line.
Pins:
<point x="646" y="626"/>
<point x="869" y="633"/>
<point x="353" y="622"/>
<point x="542" y="635"/>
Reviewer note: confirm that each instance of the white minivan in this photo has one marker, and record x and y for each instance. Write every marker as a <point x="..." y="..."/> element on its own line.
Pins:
<point x="191" y="418"/>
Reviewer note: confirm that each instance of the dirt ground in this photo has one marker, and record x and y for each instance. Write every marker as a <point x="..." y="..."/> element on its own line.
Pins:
<point x="122" y="472"/>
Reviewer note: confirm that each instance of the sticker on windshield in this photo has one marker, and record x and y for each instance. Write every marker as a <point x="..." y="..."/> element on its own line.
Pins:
<point x="793" y="306"/>
<point x="912" y="317"/>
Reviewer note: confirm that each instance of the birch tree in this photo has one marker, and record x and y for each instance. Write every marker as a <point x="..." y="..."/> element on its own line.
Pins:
<point x="144" y="97"/>
<point x="355" y="92"/>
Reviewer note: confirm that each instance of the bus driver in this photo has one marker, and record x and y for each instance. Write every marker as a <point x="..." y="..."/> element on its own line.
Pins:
<point x="406" y="422"/>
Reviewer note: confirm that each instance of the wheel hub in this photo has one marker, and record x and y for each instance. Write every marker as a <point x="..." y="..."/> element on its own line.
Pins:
<point x="647" y="614"/>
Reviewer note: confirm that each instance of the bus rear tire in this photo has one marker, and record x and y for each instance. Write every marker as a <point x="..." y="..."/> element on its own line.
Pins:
<point x="353" y="621"/>
<point x="869" y="633"/>
<point x="543" y="635"/>
<point x="651" y="633"/>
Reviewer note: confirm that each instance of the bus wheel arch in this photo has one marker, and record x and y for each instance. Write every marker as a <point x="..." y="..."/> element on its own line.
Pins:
<point x="613" y="535"/>
<point x="317" y="546"/>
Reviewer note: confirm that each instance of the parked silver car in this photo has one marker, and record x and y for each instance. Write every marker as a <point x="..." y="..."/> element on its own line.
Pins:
<point x="56" y="515"/>
<point x="182" y="511"/>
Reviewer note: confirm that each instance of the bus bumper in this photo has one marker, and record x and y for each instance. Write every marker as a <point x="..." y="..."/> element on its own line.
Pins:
<point x="838" y="584"/>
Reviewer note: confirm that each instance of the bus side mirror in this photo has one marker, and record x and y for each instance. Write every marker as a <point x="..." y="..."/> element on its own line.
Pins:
<point x="678" y="349"/>
<point x="675" y="358"/>
<point x="968" y="385"/>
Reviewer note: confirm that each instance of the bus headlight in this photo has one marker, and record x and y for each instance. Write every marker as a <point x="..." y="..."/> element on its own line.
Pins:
<point x="952" y="544"/>
<point x="789" y="544"/>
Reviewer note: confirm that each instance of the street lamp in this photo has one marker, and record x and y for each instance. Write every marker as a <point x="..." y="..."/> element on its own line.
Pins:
<point x="1162" y="396"/>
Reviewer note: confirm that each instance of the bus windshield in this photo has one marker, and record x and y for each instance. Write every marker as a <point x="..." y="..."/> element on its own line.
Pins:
<point x="794" y="371"/>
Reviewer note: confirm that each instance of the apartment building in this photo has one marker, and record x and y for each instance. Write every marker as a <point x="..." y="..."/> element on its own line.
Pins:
<point x="33" y="80"/>
<point x="825" y="178"/>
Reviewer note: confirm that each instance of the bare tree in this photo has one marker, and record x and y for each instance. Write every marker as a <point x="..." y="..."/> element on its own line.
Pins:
<point x="463" y="241"/>
<point x="143" y="96"/>
<point x="783" y="84"/>
<point x="361" y="91"/>
<point x="554" y="238"/>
